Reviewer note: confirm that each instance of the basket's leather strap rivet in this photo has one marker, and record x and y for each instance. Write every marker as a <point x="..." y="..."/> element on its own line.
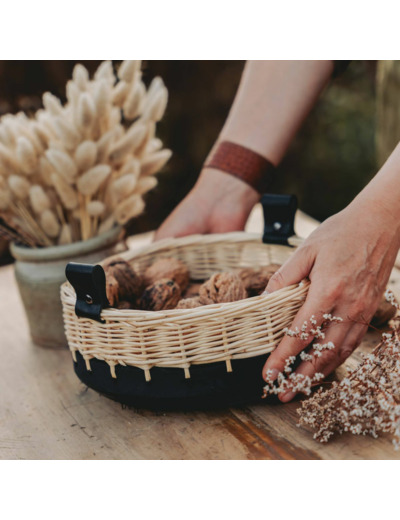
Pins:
<point x="279" y="214"/>
<point x="89" y="282"/>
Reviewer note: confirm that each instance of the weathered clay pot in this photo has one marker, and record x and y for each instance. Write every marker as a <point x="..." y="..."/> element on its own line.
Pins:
<point x="40" y="273"/>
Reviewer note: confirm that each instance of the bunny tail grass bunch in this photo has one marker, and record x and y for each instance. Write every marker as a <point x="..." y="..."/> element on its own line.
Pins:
<point x="76" y="170"/>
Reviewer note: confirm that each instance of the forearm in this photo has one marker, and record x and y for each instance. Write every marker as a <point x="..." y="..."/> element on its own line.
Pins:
<point x="272" y="101"/>
<point x="381" y="196"/>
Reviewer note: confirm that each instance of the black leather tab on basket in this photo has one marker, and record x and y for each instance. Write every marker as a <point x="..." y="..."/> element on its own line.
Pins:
<point x="279" y="213"/>
<point x="89" y="282"/>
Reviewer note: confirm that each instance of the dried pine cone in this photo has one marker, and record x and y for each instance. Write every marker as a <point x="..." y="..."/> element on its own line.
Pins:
<point x="170" y="268"/>
<point x="161" y="295"/>
<point x="384" y="313"/>
<point x="189" y="303"/>
<point x="193" y="290"/>
<point x="112" y="289"/>
<point x="222" y="287"/>
<point x="130" y="284"/>
<point x="125" y="305"/>
<point x="256" y="280"/>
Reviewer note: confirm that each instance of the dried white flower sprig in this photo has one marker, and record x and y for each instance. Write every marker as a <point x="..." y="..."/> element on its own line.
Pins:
<point x="367" y="401"/>
<point x="76" y="170"/>
<point x="289" y="381"/>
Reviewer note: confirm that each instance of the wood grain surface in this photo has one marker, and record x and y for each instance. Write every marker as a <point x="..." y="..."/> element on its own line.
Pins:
<point x="46" y="413"/>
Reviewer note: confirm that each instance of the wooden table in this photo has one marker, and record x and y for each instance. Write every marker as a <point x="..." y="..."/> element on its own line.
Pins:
<point x="46" y="413"/>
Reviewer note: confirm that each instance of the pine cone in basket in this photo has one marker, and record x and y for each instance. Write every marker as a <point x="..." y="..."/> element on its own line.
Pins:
<point x="383" y="314"/>
<point x="222" y="287"/>
<point x="189" y="303"/>
<point x="161" y="295"/>
<point x="193" y="290"/>
<point x="170" y="268"/>
<point x="124" y="305"/>
<point x="112" y="289"/>
<point x="256" y="280"/>
<point x="129" y="284"/>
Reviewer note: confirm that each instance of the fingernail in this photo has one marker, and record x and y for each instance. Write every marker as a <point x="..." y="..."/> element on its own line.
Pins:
<point x="288" y="396"/>
<point x="266" y="292"/>
<point x="271" y="374"/>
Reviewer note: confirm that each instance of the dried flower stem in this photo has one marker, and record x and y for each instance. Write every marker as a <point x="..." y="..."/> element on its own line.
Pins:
<point x="15" y="234"/>
<point x="32" y="226"/>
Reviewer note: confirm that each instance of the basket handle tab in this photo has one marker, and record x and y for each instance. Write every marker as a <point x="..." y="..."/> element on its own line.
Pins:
<point x="89" y="282"/>
<point x="279" y="213"/>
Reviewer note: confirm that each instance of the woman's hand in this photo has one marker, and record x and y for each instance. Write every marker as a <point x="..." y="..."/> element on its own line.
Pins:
<point x="218" y="203"/>
<point x="348" y="260"/>
<point x="273" y="99"/>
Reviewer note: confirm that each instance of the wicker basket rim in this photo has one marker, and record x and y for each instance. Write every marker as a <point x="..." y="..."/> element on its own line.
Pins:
<point x="214" y="238"/>
<point x="69" y="296"/>
<point x="168" y="243"/>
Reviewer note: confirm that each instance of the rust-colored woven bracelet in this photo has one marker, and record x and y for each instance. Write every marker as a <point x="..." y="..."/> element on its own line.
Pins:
<point x="243" y="163"/>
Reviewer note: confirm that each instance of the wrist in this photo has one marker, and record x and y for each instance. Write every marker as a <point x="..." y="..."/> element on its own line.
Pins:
<point x="383" y="206"/>
<point x="219" y="185"/>
<point x="377" y="215"/>
<point x="224" y="201"/>
<point x="381" y="196"/>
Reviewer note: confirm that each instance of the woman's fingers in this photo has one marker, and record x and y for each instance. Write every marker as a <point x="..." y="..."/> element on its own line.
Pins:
<point x="345" y="336"/>
<point x="323" y="361"/>
<point x="292" y="271"/>
<point x="305" y="326"/>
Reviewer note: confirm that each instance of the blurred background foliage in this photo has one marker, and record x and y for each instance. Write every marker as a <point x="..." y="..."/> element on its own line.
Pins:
<point x="329" y="162"/>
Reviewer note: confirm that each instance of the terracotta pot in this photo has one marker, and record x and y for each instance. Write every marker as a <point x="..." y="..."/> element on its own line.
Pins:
<point x="40" y="273"/>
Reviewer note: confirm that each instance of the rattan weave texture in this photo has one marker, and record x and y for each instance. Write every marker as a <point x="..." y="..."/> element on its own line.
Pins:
<point x="180" y="338"/>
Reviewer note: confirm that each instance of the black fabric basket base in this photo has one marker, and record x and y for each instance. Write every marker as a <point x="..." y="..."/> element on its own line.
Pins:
<point x="210" y="385"/>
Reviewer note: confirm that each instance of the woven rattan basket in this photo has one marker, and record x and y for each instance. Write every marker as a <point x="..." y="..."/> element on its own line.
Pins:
<point x="179" y="343"/>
